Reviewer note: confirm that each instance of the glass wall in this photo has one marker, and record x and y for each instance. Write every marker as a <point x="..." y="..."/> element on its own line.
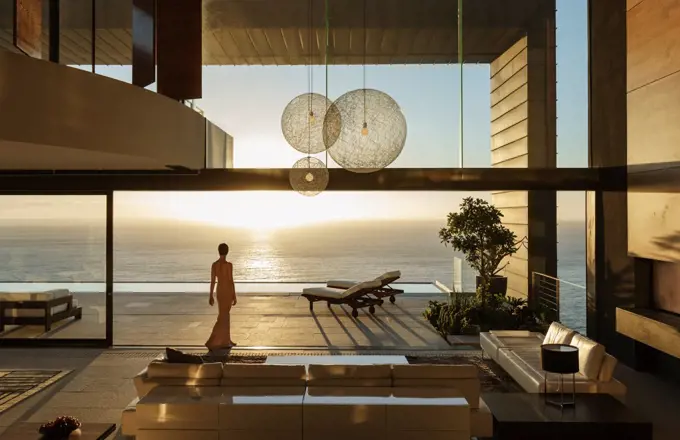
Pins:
<point x="280" y="243"/>
<point x="571" y="258"/>
<point x="572" y="83"/>
<point x="52" y="256"/>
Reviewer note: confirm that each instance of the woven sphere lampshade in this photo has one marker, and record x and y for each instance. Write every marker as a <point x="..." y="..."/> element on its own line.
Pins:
<point x="365" y="130"/>
<point x="302" y="122"/>
<point x="309" y="176"/>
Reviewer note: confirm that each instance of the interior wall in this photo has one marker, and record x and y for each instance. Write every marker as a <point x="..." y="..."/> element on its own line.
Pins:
<point x="653" y="94"/>
<point x="59" y="106"/>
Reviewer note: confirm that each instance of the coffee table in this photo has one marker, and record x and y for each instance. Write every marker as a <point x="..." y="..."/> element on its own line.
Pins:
<point x="526" y="416"/>
<point x="29" y="431"/>
<point x="336" y="360"/>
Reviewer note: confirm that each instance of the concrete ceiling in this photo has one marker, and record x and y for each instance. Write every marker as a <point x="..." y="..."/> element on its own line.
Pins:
<point x="277" y="32"/>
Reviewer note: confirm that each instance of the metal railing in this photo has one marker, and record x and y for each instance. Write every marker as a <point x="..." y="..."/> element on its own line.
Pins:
<point x="564" y="301"/>
<point x="545" y="293"/>
<point x="190" y="103"/>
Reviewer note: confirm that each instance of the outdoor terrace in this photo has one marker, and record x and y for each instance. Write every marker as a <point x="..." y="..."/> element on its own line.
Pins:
<point x="267" y="315"/>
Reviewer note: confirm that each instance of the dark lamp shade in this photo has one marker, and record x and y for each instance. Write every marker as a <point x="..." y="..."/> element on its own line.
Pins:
<point x="558" y="358"/>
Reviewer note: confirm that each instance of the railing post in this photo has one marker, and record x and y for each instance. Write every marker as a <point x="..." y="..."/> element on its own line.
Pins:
<point x="557" y="299"/>
<point x="532" y="291"/>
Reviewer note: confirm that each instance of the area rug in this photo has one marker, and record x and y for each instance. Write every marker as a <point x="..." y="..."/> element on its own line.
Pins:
<point x="18" y="385"/>
<point x="493" y="378"/>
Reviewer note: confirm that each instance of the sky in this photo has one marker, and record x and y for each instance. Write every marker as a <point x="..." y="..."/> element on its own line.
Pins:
<point x="247" y="102"/>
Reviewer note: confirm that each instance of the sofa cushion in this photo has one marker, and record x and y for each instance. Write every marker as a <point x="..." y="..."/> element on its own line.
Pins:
<point x="162" y="369"/>
<point x="263" y="375"/>
<point x="128" y="420"/>
<point x="590" y="356"/>
<point x="607" y="369"/>
<point x="558" y="334"/>
<point x="463" y="378"/>
<point x="425" y="371"/>
<point x="350" y="375"/>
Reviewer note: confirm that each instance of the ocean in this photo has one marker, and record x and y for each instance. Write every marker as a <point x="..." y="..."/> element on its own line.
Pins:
<point x="174" y="252"/>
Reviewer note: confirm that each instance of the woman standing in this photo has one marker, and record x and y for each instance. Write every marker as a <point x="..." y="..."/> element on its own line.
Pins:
<point x="222" y="272"/>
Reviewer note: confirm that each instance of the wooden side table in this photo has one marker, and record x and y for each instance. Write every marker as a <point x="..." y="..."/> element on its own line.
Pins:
<point x="560" y="359"/>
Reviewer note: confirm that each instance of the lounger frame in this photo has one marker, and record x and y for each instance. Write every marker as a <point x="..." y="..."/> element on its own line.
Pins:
<point x="358" y="300"/>
<point x="47" y="320"/>
<point x="386" y="291"/>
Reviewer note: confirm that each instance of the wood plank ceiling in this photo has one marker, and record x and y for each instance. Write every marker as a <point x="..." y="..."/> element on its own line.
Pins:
<point x="277" y="32"/>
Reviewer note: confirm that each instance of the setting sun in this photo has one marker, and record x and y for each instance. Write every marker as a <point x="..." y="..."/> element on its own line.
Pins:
<point x="259" y="210"/>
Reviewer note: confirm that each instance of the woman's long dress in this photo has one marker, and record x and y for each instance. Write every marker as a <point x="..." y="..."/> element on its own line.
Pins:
<point x="221" y="333"/>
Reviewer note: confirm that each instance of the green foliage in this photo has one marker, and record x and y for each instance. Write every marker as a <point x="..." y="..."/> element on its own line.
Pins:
<point x="472" y="314"/>
<point x="477" y="231"/>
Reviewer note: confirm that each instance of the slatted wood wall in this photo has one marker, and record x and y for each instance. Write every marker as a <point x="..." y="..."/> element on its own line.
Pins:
<point x="509" y="148"/>
<point x="523" y="135"/>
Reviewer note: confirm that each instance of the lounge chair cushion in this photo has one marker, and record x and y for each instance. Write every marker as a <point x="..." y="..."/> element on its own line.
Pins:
<point x="331" y="293"/>
<point x="346" y="284"/>
<point x="590" y="356"/>
<point x="34" y="296"/>
<point x="389" y="275"/>
<point x="558" y="334"/>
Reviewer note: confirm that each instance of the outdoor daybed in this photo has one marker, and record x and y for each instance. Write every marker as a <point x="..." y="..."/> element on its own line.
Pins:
<point x="43" y="308"/>
<point x="385" y="290"/>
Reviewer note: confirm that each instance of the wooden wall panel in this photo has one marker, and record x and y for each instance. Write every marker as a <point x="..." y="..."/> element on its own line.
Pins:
<point x="653" y="85"/>
<point x="523" y="135"/>
<point x="28" y="26"/>
<point x="179" y="48"/>
<point x="143" y="42"/>
<point x="666" y="286"/>
<point x="630" y="4"/>
<point x="653" y="32"/>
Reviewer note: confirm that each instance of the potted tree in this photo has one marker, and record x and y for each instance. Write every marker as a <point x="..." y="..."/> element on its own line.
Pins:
<point x="477" y="231"/>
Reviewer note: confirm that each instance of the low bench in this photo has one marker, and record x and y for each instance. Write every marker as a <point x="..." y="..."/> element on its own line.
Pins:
<point x="43" y="308"/>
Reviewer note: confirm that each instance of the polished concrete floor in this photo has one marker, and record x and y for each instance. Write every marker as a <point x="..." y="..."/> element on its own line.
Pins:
<point x="279" y="320"/>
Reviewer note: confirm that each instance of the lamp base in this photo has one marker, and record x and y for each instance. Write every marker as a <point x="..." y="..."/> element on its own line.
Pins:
<point x="562" y="403"/>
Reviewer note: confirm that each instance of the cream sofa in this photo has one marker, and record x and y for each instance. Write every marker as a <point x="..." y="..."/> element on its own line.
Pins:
<point x="258" y="401"/>
<point x="519" y="354"/>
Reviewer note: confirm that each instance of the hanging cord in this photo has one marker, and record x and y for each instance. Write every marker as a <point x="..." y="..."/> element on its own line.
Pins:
<point x="364" y="63"/>
<point x="460" y="62"/>
<point x="310" y="79"/>
<point x="326" y="63"/>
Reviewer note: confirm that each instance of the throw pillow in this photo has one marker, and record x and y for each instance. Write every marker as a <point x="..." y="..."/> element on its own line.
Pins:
<point x="179" y="357"/>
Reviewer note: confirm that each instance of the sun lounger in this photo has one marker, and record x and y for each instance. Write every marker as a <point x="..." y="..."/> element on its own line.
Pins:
<point x="43" y="308"/>
<point x="357" y="296"/>
<point x="381" y="292"/>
